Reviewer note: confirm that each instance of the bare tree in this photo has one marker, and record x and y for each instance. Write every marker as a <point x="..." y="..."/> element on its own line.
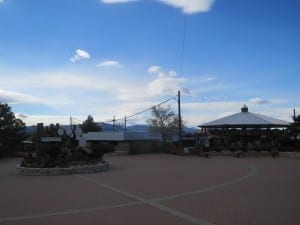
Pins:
<point x="164" y="121"/>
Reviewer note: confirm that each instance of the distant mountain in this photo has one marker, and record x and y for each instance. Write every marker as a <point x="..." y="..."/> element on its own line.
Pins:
<point x="190" y="129"/>
<point x="138" y="127"/>
<point x="30" y="129"/>
<point x="109" y="127"/>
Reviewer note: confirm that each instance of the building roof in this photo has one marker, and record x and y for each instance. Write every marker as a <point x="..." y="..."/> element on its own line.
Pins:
<point x="246" y="119"/>
<point x="120" y="136"/>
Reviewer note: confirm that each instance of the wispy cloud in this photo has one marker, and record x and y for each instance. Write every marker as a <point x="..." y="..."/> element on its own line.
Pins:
<point x="259" y="101"/>
<point x="79" y="55"/>
<point x="187" y="6"/>
<point x="207" y="79"/>
<point x="190" y="6"/>
<point x="109" y="63"/>
<point x="12" y="97"/>
<point x="154" y="69"/>
<point x="117" y="1"/>
<point x="1" y="1"/>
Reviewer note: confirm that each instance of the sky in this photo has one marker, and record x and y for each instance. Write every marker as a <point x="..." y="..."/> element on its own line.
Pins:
<point x="117" y="57"/>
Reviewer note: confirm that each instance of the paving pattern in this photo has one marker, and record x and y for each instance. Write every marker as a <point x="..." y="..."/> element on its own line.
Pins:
<point x="157" y="189"/>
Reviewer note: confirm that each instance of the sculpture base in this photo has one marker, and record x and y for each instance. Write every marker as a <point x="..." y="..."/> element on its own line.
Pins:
<point x="94" y="168"/>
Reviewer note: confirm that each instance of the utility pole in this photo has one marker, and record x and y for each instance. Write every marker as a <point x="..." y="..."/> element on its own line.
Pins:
<point x="294" y="125"/>
<point x="125" y="120"/>
<point x="114" y="123"/>
<point x="71" y="122"/>
<point x="179" y="124"/>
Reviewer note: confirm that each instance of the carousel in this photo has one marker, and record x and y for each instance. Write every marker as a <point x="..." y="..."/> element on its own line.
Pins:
<point x="243" y="131"/>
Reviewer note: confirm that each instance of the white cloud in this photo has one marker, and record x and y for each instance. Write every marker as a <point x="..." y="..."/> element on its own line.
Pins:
<point x="106" y="94"/>
<point x="207" y="79"/>
<point x="1" y="1"/>
<point x="117" y="1"/>
<point x="187" y="6"/>
<point x="21" y="116"/>
<point x="172" y="73"/>
<point x="109" y="63"/>
<point x="11" y="97"/>
<point x="259" y="101"/>
<point x="190" y="6"/>
<point x="166" y="85"/>
<point x="80" y="54"/>
<point x="154" y="69"/>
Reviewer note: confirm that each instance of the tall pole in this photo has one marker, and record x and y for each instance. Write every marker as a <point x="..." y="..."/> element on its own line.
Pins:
<point x="71" y="122"/>
<point x="125" y="123"/>
<point x="294" y="125"/>
<point x="114" y="125"/>
<point x="179" y="124"/>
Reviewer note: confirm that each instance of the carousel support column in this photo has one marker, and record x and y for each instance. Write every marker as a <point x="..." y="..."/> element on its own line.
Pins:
<point x="39" y="134"/>
<point x="227" y="138"/>
<point x="269" y="138"/>
<point x="243" y="138"/>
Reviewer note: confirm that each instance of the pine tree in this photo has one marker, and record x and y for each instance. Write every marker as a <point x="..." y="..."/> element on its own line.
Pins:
<point x="12" y="130"/>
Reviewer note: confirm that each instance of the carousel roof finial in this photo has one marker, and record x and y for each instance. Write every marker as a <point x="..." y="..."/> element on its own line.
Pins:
<point x="244" y="108"/>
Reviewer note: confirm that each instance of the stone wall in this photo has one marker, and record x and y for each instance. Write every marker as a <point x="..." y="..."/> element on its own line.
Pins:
<point x="99" y="167"/>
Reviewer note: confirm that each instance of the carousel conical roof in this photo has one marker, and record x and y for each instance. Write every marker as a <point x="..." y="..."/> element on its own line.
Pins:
<point x="246" y="119"/>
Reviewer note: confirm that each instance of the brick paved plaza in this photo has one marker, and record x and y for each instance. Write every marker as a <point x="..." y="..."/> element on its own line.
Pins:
<point x="157" y="189"/>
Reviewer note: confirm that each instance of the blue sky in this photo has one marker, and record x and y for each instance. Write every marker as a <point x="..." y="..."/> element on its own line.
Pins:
<point x="116" y="57"/>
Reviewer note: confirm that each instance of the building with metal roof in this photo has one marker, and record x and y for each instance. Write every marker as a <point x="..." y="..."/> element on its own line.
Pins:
<point x="242" y="129"/>
<point x="245" y="119"/>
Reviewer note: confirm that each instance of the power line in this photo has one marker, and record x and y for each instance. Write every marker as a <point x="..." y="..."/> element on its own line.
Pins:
<point x="183" y="40"/>
<point x="150" y="108"/>
<point x="145" y="110"/>
<point x="132" y="115"/>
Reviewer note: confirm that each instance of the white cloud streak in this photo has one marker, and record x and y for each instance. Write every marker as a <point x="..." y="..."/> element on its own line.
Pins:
<point x="190" y="6"/>
<point x="259" y="101"/>
<point x="79" y="55"/>
<point x="109" y="63"/>
<point x="16" y="97"/>
<point x="187" y="6"/>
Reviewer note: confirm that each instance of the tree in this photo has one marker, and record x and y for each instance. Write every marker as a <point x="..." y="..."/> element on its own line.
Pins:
<point x="295" y="126"/>
<point x="164" y="121"/>
<point x="51" y="130"/>
<point x="12" y="130"/>
<point x="89" y="125"/>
